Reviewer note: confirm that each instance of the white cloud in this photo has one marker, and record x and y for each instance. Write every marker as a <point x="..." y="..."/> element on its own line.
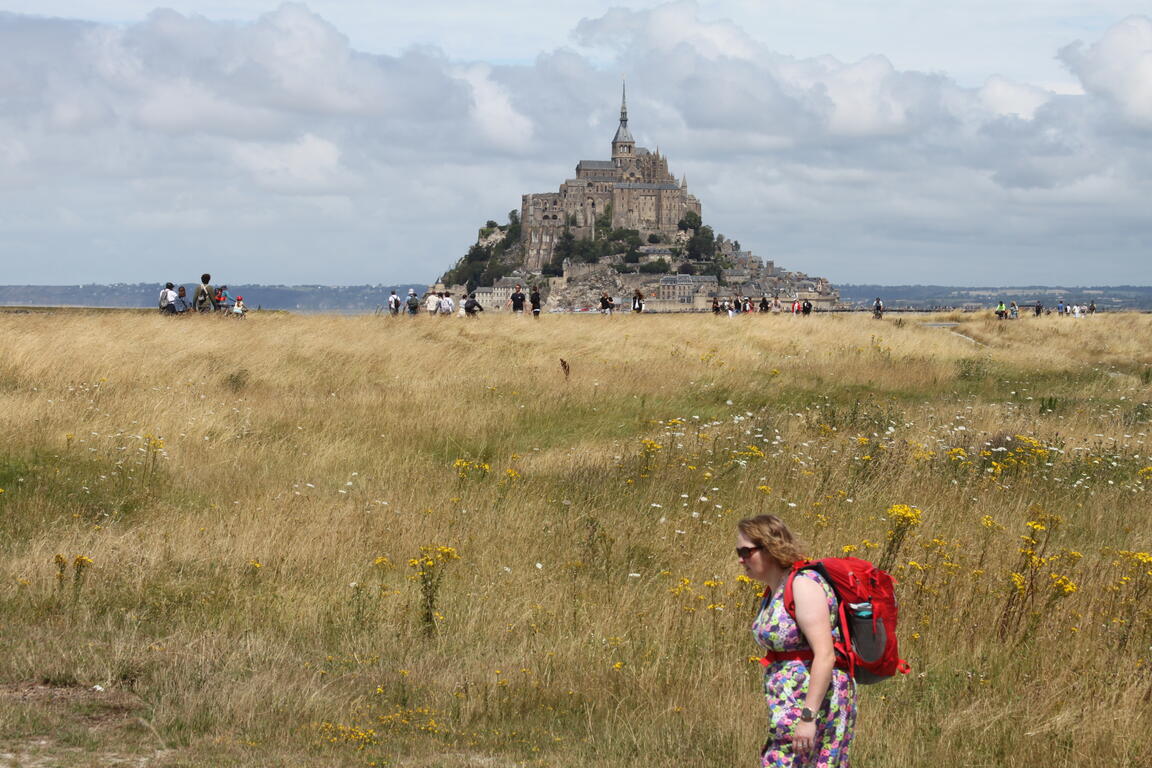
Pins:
<point x="665" y="28"/>
<point x="307" y="165"/>
<point x="492" y="111"/>
<point x="1004" y="97"/>
<point x="1118" y="67"/>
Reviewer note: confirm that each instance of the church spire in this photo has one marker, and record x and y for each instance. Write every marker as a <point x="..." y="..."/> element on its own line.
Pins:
<point x="623" y="145"/>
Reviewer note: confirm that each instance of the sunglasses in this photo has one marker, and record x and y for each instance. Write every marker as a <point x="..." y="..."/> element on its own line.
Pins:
<point x="746" y="552"/>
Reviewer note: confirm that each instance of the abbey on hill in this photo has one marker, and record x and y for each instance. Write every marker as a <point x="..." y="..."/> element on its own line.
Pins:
<point x="634" y="190"/>
<point x="621" y="225"/>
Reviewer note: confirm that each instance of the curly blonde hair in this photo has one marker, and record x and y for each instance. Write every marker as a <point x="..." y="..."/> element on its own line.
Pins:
<point x="770" y="533"/>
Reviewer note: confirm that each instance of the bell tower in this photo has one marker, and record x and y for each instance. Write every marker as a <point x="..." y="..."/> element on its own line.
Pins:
<point x="623" y="145"/>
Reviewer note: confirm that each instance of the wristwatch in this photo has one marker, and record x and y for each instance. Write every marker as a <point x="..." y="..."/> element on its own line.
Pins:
<point x="807" y="715"/>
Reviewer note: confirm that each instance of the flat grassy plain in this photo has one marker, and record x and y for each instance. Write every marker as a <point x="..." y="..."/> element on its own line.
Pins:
<point x="355" y="541"/>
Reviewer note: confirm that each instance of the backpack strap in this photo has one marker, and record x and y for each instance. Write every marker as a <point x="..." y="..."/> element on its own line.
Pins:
<point x="789" y="598"/>
<point x="774" y="656"/>
<point x="771" y="657"/>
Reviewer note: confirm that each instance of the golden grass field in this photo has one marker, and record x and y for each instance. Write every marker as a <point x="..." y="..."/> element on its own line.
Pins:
<point x="356" y="541"/>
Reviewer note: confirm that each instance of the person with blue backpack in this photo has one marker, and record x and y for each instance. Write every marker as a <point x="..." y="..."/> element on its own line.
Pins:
<point x="825" y="625"/>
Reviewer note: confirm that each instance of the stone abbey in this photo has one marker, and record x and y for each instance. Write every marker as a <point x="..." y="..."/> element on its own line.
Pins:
<point x="634" y="187"/>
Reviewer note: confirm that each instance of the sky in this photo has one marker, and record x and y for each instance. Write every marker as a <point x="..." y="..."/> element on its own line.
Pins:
<point x="365" y="141"/>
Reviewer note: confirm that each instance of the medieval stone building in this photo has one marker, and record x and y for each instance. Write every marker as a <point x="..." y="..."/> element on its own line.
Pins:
<point x="635" y="187"/>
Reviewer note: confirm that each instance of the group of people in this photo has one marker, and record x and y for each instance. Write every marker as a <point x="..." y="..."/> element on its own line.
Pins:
<point x="1075" y="310"/>
<point x="1012" y="310"/>
<point x="741" y="304"/>
<point x="206" y="298"/>
<point x="442" y="304"/>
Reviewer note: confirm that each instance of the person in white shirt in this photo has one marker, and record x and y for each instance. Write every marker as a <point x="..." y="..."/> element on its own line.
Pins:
<point x="168" y="299"/>
<point x="432" y="305"/>
<point x="447" y="305"/>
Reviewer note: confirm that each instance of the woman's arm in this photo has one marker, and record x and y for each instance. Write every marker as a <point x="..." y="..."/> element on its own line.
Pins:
<point x="812" y="618"/>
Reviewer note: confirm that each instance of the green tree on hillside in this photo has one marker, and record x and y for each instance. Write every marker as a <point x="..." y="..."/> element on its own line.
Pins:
<point x="482" y="265"/>
<point x="604" y="220"/>
<point x="690" y="220"/>
<point x="658" y="267"/>
<point x="702" y="245"/>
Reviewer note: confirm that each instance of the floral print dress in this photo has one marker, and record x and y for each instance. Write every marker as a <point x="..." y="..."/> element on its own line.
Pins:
<point x="786" y="684"/>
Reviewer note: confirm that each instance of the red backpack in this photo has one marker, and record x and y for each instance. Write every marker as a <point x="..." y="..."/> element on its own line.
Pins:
<point x="867" y="607"/>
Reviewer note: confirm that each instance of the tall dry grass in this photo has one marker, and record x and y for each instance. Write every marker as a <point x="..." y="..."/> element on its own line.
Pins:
<point x="357" y="540"/>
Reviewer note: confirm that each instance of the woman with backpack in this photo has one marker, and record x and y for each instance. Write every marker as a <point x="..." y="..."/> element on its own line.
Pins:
<point x="811" y="702"/>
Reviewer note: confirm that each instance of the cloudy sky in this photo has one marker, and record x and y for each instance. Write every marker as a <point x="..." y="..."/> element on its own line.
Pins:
<point x="364" y="141"/>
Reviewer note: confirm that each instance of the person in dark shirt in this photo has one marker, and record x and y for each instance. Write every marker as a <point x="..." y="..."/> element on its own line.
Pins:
<point x="472" y="307"/>
<point x="764" y="304"/>
<point x="534" y="300"/>
<point x="517" y="300"/>
<point x="606" y="303"/>
<point x="205" y="299"/>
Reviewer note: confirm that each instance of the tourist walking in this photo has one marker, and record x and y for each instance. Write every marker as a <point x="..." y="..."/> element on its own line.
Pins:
<point x="877" y="309"/>
<point x="432" y="304"/>
<point x="472" y="307"/>
<point x="535" y="302"/>
<point x="606" y="304"/>
<point x="764" y="306"/>
<point x="393" y="304"/>
<point x="811" y="705"/>
<point x="637" y="301"/>
<point x="446" y="304"/>
<point x="412" y="302"/>
<point x="516" y="301"/>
